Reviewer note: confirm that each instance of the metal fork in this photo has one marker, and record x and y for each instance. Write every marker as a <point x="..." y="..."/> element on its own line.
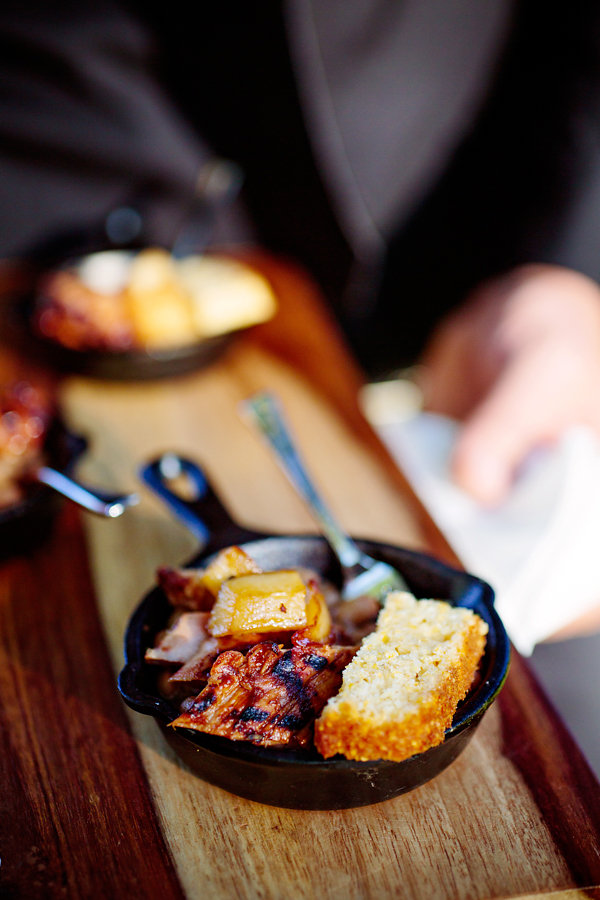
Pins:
<point x="361" y="574"/>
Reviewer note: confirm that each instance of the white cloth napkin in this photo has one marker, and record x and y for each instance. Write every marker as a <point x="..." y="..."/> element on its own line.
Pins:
<point x="539" y="549"/>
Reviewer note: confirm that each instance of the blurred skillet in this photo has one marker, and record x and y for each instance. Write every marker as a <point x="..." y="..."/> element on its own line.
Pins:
<point x="25" y="523"/>
<point x="300" y="779"/>
<point x="130" y="365"/>
<point x="125" y="365"/>
<point x="124" y="230"/>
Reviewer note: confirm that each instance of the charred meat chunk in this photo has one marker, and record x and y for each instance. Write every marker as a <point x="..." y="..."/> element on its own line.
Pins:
<point x="270" y="696"/>
<point x="181" y="641"/>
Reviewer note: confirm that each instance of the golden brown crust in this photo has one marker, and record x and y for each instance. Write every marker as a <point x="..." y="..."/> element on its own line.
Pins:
<point x="343" y="729"/>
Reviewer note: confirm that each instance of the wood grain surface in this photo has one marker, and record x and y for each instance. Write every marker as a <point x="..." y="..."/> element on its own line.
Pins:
<point x="94" y="802"/>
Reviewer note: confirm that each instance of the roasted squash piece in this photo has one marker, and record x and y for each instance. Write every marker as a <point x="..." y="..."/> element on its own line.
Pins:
<point x="264" y="602"/>
<point x="228" y="563"/>
<point x="198" y="588"/>
<point x="318" y="617"/>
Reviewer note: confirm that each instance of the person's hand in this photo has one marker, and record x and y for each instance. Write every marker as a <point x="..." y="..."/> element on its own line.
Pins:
<point x="517" y="364"/>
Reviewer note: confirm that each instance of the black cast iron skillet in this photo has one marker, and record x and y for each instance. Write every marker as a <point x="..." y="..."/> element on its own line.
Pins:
<point x="115" y="365"/>
<point x="24" y="524"/>
<point x="300" y="779"/>
<point x="133" y="365"/>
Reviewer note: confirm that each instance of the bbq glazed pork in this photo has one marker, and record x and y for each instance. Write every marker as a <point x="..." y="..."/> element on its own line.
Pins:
<point x="270" y="696"/>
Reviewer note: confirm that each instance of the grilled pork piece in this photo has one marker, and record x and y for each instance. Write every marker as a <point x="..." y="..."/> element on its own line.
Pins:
<point x="355" y="618"/>
<point x="269" y="697"/>
<point x="196" y="670"/>
<point x="179" y="642"/>
<point x="185" y="588"/>
<point x="80" y="318"/>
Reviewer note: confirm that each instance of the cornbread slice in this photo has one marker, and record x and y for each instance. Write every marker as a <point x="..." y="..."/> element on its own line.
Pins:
<point x="400" y="691"/>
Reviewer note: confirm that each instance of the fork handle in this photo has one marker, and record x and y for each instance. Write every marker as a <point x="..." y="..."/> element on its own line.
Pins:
<point x="264" y="411"/>
<point x="91" y="499"/>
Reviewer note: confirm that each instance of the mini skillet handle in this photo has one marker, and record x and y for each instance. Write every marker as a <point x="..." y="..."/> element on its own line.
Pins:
<point x="186" y="491"/>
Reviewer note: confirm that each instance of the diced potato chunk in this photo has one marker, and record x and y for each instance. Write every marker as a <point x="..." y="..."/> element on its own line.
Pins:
<point x="198" y="588"/>
<point x="160" y="307"/>
<point x="264" y="602"/>
<point x="228" y="563"/>
<point x="225" y="293"/>
<point x="151" y="270"/>
<point x="318" y="617"/>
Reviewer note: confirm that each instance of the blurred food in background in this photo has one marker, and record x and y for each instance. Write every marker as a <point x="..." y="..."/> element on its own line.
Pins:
<point x="150" y="300"/>
<point x="25" y="415"/>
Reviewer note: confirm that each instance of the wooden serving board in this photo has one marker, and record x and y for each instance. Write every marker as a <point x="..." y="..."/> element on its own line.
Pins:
<point x="95" y="804"/>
